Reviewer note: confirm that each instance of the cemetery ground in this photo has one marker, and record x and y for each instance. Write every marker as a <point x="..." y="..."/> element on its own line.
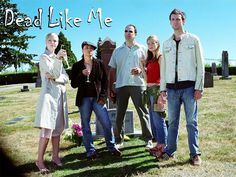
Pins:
<point x="217" y="125"/>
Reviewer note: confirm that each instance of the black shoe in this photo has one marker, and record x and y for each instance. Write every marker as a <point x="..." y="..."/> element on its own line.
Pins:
<point x="196" y="160"/>
<point x="92" y="157"/>
<point x="116" y="153"/>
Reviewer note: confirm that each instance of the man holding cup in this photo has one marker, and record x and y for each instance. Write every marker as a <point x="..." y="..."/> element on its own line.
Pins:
<point x="125" y="66"/>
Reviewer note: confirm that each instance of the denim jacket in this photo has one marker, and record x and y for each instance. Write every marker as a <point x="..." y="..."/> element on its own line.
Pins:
<point x="190" y="61"/>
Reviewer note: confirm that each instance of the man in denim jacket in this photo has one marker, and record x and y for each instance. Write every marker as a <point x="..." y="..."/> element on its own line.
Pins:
<point x="182" y="78"/>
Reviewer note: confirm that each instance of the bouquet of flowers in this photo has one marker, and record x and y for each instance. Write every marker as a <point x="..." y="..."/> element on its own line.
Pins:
<point x="74" y="134"/>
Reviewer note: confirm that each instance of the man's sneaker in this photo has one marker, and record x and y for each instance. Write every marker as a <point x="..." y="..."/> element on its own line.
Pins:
<point x="148" y="144"/>
<point x="196" y="160"/>
<point x="116" y="153"/>
<point x="119" y="145"/>
<point x="92" y="157"/>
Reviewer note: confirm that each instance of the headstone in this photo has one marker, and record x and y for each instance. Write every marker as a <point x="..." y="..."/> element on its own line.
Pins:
<point x="208" y="82"/>
<point x="213" y="69"/>
<point x="110" y="104"/>
<point x="128" y="122"/>
<point x="107" y="47"/>
<point x="17" y="119"/>
<point x="25" y="88"/>
<point x="225" y="66"/>
<point x="38" y="80"/>
<point x="2" y="98"/>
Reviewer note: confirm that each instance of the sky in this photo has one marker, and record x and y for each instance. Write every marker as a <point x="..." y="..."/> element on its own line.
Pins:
<point x="213" y="21"/>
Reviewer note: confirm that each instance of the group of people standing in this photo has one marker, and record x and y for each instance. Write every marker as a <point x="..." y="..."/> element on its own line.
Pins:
<point x="176" y="75"/>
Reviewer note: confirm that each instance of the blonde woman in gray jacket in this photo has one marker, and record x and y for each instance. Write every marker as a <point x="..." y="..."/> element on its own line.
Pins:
<point x="52" y="111"/>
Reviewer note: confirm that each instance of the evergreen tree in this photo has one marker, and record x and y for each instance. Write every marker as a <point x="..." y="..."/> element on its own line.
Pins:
<point x="13" y="40"/>
<point x="67" y="46"/>
<point x="98" y="53"/>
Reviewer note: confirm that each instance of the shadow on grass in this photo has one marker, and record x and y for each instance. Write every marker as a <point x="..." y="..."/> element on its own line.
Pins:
<point x="134" y="161"/>
<point x="31" y="167"/>
<point x="127" y="170"/>
<point x="174" y="163"/>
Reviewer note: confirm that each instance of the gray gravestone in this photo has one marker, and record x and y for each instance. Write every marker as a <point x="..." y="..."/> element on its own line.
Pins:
<point x="213" y="69"/>
<point x="110" y="104"/>
<point x="25" y="88"/>
<point x="128" y="122"/>
<point x="208" y="82"/>
<point x="225" y="66"/>
<point x="2" y="98"/>
<point x="17" y="119"/>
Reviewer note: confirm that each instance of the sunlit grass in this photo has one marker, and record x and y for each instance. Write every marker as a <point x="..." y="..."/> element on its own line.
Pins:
<point x="217" y="125"/>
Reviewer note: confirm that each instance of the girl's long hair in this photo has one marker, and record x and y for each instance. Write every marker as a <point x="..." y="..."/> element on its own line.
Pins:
<point x="157" y="52"/>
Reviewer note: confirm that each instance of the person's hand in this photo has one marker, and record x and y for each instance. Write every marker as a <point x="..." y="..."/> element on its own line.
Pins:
<point x="161" y="104"/>
<point x="113" y="96"/>
<point x="143" y="61"/>
<point x="198" y="94"/>
<point x="163" y="96"/>
<point x="49" y="76"/>
<point x="61" y="54"/>
<point x="136" y="71"/>
<point x="86" y="72"/>
<point x="101" y="101"/>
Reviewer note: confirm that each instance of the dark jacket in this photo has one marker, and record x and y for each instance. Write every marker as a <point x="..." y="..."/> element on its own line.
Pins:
<point x="98" y="75"/>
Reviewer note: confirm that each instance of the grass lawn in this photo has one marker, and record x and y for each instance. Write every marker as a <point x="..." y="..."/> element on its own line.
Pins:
<point x="217" y="125"/>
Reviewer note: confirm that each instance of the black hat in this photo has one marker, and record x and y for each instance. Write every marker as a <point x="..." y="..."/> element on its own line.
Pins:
<point x="88" y="43"/>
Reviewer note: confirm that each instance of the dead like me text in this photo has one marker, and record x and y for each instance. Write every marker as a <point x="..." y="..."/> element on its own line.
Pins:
<point x="63" y="21"/>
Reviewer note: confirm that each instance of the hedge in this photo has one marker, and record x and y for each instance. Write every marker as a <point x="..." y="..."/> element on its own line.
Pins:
<point x="23" y="77"/>
<point x="30" y="77"/>
<point x="232" y="70"/>
<point x="15" y="78"/>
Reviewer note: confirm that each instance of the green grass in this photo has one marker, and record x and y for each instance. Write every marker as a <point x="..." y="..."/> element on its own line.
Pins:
<point x="217" y="125"/>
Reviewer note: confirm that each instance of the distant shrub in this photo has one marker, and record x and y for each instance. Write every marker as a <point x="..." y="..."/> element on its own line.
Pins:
<point x="30" y="77"/>
<point x="21" y="77"/>
<point x="232" y="70"/>
<point x="15" y="78"/>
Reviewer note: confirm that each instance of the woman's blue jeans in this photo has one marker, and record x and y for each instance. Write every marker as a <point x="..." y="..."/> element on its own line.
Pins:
<point x="175" y="98"/>
<point x="158" y="124"/>
<point x="88" y="105"/>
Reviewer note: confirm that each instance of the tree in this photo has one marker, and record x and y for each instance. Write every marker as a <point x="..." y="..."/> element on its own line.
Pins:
<point x="98" y="53"/>
<point x="67" y="46"/>
<point x="13" y="40"/>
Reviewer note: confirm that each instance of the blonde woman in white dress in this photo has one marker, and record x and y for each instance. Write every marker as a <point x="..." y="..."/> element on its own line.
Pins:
<point x="52" y="111"/>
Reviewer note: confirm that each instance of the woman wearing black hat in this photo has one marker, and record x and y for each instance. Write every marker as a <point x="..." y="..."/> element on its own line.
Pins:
<point x="89" y="76"/>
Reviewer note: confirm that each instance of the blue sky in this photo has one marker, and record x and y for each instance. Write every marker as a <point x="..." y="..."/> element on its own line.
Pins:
<point x="213" y="21"/>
